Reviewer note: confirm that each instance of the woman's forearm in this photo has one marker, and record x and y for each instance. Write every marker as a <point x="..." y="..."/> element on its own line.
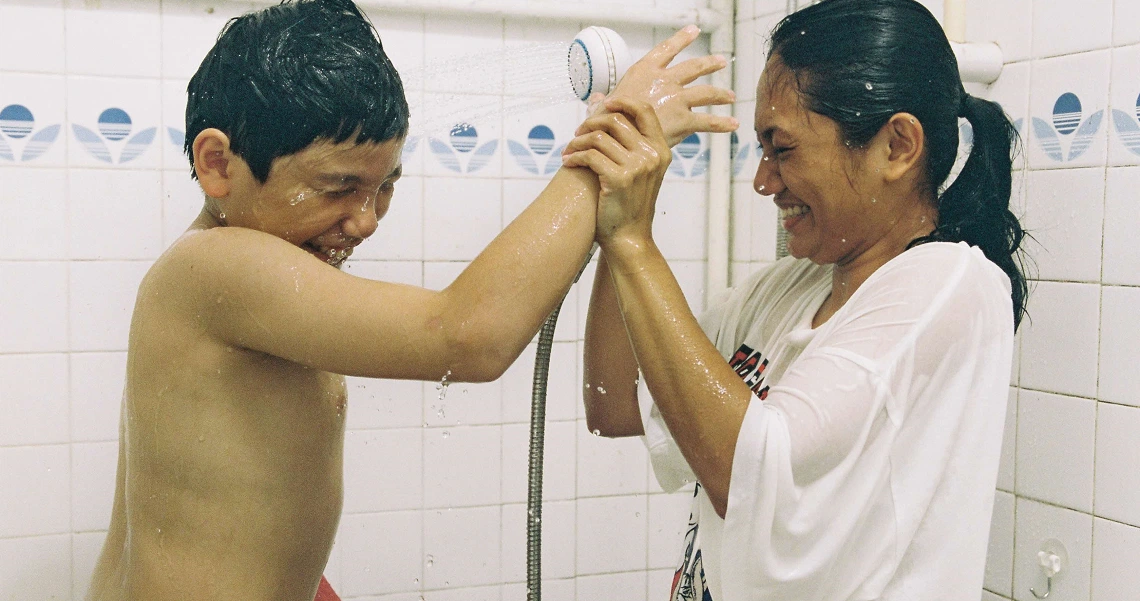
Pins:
<point x="701" y="399"/>
<point x="609" y="368"/>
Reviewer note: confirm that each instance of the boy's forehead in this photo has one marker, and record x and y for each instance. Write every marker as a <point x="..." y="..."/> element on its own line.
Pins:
<point x="324" y="156"/>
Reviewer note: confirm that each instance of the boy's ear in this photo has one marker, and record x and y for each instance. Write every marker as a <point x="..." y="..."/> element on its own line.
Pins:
<point x="214" y="162"/>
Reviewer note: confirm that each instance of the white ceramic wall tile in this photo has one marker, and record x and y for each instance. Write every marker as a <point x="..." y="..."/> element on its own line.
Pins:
<point x="535" y="138"/>
<point x="659" y="583"/>
<point x="189" y="29"/>
<point x="39" y="501"/>
<point x="383" y="470"/>
<point x="38" y="43"/>
<point x="668" y="522"/>
<point x="105" y="201"/>
<point x="745" y="157"/>
<point x="1065" y="214"/>
<point x="461" y="216"/>
<point x="558" y="540"/>
<point x="182" y="200"/>
<point x="369" y="568"/>
<point x="458" y="52"/>
<point x="403" y="39"/>
<point x="172" y="132"/>
<point x="33" y="307"/>
<point x="999" y="557"/>
<point x="480" y="593"/>
<point x="1121" y="212"/>
<point x="1062" y="27"/>
<point x="32" y="130"/>
<point x="629" y="586"/>
<point x="604" y="520"/>
<point x="114" y="122"/>
<point x="1119" y="346"/>
<point x="1059" y="340"/>
<point x="1037" y="523"/>
<point x="1117" y="455"/>
<point x="743" y="200"/>
<point x="679" y="226"/>
<point x="33" y="394"/>
<point x="102" y="300"/>
<point x="1006" y="467"/>
<point x="462" y="466"/>
<point x="552" y="590"/>
<point x="1009" y="23"/>
<point x="112" y="37"/>
<point x="1125" y="18"/>
<point x="1055" y="449"/>
<point x="1123" y="121"/>
<point x="384" y="403"/>
<point x="1011" y="91"/>
<point x="462" y="403"/>
<point x="562" y="386"/>
<point x="610" y="466"/>
<point x="85" y="549"/>
<point x="36" y="568"/>
<point x="400" y="235"/>
<point x="1115" y="549"/>
<point x="93" y="467"/>
<point x="34" y="205"/>
<point x="764" y="226"/>
<point x="462" y="547"/>
<point x="1068" y="102"/>
<point x="559" y="461"/>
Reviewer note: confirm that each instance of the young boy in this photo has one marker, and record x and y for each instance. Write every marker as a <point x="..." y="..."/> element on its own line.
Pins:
<point x="229" y="480"/>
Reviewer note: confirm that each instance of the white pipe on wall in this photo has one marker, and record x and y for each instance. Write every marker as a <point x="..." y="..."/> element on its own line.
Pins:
<point x="590" y="13"/>
<point x="722" y="41"/>
<point x="977" y="62"/>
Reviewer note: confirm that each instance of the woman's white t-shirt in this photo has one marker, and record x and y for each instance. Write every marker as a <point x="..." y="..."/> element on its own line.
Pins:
<point x="866" y="464"/>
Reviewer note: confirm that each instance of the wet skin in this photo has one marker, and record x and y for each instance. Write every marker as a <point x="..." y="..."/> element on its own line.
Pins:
<point x="229" y="480"/>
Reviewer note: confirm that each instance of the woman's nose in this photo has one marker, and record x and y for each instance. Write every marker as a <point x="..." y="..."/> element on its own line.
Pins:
<point x="767" y="181"/>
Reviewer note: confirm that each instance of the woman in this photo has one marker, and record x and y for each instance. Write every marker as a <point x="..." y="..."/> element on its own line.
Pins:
<point x="848" y="447"/>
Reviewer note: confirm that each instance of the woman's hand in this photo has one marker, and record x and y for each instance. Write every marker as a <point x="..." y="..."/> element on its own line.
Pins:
<point x="666" y="89"/>
<point x="627" y="149"/>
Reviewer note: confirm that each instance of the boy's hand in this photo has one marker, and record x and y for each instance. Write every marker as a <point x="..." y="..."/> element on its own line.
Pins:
<point x="666" y="89"/>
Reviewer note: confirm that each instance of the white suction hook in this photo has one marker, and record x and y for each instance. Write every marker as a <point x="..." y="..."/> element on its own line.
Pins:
<point x="597" y="58"/>
<point x="1052" y="558"/>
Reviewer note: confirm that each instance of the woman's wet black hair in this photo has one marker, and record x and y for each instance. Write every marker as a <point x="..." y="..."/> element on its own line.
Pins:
<point x="279" y="79"/>
<point x="859" y="62"/>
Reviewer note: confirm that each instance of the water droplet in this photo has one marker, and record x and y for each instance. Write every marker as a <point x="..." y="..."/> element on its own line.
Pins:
<point x="416" y="581"/>
<point x="869" y="86"/>
<point x="443" y="384"/>
<point x="597" y="432"/>
<point x="874" y="200"/>
<point x="803" y="32"/>
<point x="601" y="390"/>
<point x="858" y="113"/>
<point x="221" y="215"/>
<point x="201" y="438"/>
<point x="430" y="560"/>
<point x="440" y="412"/>
<point x="637" y="514"/>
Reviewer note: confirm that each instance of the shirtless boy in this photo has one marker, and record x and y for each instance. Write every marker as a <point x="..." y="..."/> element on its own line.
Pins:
<point x="229" y="480"/>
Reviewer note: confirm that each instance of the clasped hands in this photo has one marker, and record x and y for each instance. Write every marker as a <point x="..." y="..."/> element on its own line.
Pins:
<point x="628" y="137"/>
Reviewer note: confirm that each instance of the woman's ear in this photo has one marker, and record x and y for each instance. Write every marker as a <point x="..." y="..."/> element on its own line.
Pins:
<point x="213" y="162"/>
<point x="906" y="143"/>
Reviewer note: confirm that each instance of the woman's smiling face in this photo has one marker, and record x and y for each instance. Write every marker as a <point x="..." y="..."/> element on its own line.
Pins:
<point x="825" y="190"/>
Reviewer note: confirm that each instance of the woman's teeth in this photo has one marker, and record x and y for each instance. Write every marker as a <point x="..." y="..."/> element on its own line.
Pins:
<point x="794" y="211"/>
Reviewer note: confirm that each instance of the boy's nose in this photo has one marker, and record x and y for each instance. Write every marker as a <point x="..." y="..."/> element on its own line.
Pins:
<point x="362" y="222"/>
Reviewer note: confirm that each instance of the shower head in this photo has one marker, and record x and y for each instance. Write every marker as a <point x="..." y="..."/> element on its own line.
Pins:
<point x="597" y="58"/>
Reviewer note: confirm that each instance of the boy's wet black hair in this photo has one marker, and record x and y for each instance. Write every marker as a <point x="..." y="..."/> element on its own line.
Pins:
<point x="279" y="79"/>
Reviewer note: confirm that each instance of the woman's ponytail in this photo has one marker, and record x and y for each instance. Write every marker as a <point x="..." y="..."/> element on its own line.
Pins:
<point x="975" y="208"/>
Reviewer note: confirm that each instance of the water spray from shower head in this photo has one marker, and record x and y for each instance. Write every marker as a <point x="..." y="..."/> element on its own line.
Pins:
<point x="598" y="57"/>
